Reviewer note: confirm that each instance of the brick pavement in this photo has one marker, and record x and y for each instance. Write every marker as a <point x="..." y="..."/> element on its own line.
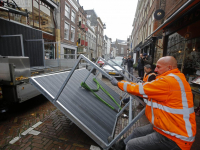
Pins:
<point x="22" y="116"/>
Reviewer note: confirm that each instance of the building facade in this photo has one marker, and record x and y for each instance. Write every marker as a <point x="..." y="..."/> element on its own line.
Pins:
<point x="82" y="41"/>
<point x="175" y="34"/>
<point x="107" y="47"/>
<point x="121" y="47"/>
<point x="99" y="26"/>
<point x="143" y="25"/>
<point x="91" y="36"/>
<point x="99" y="33"/>
<point x="113" y="51"/>
<point x="68" y="29"/>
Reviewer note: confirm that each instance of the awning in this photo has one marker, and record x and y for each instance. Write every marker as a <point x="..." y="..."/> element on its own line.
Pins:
<point x="137" y="48"/>
<point x="147" y="43"/>
<point x="184" y="8"/>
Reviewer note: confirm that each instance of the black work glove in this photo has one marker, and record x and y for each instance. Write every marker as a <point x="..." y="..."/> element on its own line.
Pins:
<point x="114" y="81"/>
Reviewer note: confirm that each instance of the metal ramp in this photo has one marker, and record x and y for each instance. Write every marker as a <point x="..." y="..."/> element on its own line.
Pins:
<point x="91" y="115"/>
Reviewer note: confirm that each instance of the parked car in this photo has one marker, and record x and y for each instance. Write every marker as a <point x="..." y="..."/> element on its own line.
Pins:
<point x="108" y="69"/>
<point x="119" y="57"/>
<point x="123" y="61"/>
<point x="100" y="62"/>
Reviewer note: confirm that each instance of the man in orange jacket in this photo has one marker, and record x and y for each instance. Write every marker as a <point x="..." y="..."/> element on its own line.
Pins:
<point x="149" y="74"/>
<point x="169" y="108"/>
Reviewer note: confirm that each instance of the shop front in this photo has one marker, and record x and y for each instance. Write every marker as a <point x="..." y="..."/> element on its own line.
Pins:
<point x="68" y="51"/>
<point x="148" y="47"/>
<point x="182" y="40"/>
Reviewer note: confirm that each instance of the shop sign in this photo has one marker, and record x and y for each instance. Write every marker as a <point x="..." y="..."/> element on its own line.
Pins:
<point x="189" y="18"/>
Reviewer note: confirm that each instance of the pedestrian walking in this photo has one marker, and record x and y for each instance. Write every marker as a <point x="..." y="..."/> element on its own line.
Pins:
<point x="169" y="109"/>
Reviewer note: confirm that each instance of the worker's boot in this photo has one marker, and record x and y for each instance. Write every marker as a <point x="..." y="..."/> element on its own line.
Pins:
<point x="120" y="145"/>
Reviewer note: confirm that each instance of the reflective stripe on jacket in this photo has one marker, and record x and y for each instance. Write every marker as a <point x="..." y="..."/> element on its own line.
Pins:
<point x="146" y="76"/>
<point x="169" y="106"/>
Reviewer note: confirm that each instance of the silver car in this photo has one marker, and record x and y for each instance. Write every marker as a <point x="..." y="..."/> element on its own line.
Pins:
<point x="111" y="71"/>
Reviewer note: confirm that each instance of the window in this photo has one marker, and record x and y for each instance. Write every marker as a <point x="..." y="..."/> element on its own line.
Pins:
<point x="73" y="16"/>
<point x="69" y="53"/>
<point x="150" y="3"/>
<point x="122" y="50"/>
<point x="152" y="17"/>
<point x="67" y="10"/>
<point x="149" y="28"/>
<point x="72" y="33"/>
<point x="66" y="32"/>
<point x="88" y="16"/>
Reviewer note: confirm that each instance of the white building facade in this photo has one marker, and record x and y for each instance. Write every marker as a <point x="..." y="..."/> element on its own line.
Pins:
<point x="91" y="38"/>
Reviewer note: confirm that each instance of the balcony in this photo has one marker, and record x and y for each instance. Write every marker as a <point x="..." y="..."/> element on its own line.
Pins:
<point x="82" y="42"/>
<point x="86" y="43"/>
<point x="82" y="26"/>
<point x="86" y="29"/>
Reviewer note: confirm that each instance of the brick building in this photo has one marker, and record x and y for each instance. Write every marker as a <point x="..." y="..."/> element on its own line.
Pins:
<point x="91" y="36"/>
<point x="99" y="26"/>
<point x="121" y="47"/>
<point x="177" y="34"/>
<point x="82" y="41"/>
<point x="68" y="28"/>
<point x="143" y="25"/>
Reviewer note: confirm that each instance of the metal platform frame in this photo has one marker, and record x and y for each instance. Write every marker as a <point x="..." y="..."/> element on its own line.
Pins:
<point x="111" y="139"/>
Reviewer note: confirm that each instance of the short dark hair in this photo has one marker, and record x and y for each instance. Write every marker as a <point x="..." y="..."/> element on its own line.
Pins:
<point x="145" y="54"/>
<point x="148" y="66"/>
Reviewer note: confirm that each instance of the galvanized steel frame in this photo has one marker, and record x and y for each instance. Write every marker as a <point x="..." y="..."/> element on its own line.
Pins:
<point x="78" y="122"/>
<point x="21" y="40"/>
<point x="38" y="40"/>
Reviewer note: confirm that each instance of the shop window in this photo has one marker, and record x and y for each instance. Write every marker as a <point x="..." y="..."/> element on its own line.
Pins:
<point x="49" y="49"/>
<point x="69" y="53"/>
<point x="67" y="11"/>
<point x="72" y="33"/>
<point x="66" y="31"/>
<point x="184" y="45"/>
<point x="73" y="16"/>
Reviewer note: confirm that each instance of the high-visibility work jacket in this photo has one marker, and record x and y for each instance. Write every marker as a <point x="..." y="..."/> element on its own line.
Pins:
<point x="147" y="76"/>
<point x="169" y="106"/>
